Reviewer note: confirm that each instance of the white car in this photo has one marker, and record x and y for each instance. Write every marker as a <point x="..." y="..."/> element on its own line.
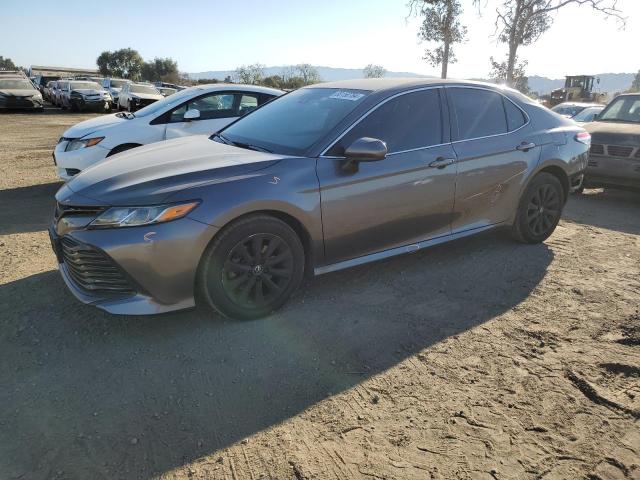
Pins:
<point x="113" y="86"/>
<point x="204" y="109"/>
<point x="134" y="96"/>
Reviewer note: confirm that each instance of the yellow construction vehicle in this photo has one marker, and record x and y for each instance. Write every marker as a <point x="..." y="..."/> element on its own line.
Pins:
<point x="578" y="88"/>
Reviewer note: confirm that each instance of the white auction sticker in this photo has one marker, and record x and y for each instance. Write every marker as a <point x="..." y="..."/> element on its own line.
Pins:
<point x="344" y="95"/>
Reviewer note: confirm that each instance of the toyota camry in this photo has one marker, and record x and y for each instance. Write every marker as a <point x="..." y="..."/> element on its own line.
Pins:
<point x="326" y="177"/>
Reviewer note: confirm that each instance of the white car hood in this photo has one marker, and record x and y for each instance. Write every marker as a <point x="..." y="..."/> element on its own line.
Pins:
<point x="95" y="124"/>
<point x="147" y="96"/>
<point x="27" y="92"/>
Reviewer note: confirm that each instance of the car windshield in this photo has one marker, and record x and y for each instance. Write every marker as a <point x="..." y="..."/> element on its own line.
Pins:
<point x="568" y="110"/>
<point x="144" y="89"/>
<point x="295" y="122"/>
<point x="117" y="83"/>
<point x="166" y="103"/>
<point x="85" y="85"/>
<point x="15" y="84"/>
<point x="587" y="114"/>
<point x="622" y="109"/>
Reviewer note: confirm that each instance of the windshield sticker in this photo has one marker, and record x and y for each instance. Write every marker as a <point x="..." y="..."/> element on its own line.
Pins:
<point x="343" y="95"/>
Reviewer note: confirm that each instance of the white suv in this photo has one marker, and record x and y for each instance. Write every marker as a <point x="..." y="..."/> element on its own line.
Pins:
<point x="204" y="109"/>
<point x="134" y="96"/>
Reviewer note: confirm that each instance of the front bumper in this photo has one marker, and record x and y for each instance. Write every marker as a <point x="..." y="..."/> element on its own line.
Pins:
<point x="90" y="104"/>
<point x="608" y="171"/>
<point x="18" y="103"/>
<point x="69" y="164"/>
<point x="160" y="261"/>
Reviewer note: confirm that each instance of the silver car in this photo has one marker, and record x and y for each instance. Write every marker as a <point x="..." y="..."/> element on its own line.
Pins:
<point x="326" y="177"/>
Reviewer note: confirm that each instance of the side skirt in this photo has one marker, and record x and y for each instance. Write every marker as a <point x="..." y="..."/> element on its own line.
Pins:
<point x="392" y="252"/>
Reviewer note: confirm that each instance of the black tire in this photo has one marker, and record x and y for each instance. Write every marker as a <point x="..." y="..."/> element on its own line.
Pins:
<point x="237" y="274"/>
<point x="122" y="148"/>
<point x="539" y="210"/>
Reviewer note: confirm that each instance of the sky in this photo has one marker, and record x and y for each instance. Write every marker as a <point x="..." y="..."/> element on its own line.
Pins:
<point x="221" y="35"/>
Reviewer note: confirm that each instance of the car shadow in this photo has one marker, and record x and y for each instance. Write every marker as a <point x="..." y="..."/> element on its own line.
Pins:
<point x="89" y="395"/>
<point x="610" y="209"/>
<point x="27" y="209"/>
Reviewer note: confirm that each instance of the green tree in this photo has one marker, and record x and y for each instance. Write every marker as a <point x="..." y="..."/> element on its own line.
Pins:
<point x="7" y="64"/>
<point x="307" y="72"/>
<point x="250" y="74"/>
<point x="522" y="22"/>
<point x="161" y="69"/>
<point x="635" y="85"/>
<point x="440" y="25"/>
<point x="373" y="71"/>
<point x="519" y="81"/>
<point x="124" y="63"/>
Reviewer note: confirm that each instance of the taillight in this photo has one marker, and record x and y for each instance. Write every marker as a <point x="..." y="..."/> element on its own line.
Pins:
<point x="583" y="137"/>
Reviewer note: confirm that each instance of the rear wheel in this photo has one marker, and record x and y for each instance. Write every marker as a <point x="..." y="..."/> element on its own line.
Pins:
<point x="251" y="268"/>
<point x="539" y="210"/>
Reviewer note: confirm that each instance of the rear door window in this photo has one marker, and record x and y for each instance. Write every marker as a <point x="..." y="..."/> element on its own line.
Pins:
<point x="407" y="122"/>
<point x="479" y="113"/>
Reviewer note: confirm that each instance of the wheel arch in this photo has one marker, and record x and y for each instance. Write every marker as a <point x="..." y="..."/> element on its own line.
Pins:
<point x="310" y="250"/>
<point x="123" y="147"/>
<point x="560" y="174"/>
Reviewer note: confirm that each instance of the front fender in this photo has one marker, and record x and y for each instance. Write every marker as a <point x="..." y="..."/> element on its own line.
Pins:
<point x="289" y="187"/>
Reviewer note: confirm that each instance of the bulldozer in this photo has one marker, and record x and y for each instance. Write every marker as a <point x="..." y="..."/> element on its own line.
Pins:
<point x="577" y="88"/>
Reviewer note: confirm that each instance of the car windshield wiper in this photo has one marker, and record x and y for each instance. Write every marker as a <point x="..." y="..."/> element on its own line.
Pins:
<point x="248" y="146"/>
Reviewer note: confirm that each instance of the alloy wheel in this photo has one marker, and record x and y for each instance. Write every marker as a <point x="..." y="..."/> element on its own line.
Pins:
<point x="543" y="209"/>
<point x="258" y="270"/>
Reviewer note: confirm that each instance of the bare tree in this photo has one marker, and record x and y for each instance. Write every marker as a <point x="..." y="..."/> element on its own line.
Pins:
<point x="441" y="24"/>
<point x="374" y="71"/>
<point x="520" y="80"/>
<point x="250" y="74"/>
<point x="307" y="72"/>
<point x="522" y="22"/>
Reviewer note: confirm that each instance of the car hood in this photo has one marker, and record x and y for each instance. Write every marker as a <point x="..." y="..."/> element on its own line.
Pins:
<point x="152" y="173"/>
<point x="20" y="92"/>
<point x="89" y="91"/>
<point x="147" y="96"/>
<point x="614" y="133"/>
<point x="99" y="123"/>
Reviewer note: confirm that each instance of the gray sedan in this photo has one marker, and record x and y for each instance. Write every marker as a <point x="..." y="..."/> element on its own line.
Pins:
<point x="326" y="177"/>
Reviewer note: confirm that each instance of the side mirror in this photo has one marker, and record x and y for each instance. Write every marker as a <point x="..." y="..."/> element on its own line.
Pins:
<point x="192" y="114"/>
<point x="366" y="149"/>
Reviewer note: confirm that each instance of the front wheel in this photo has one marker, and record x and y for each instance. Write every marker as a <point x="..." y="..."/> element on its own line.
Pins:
<point x="251" y="268"/>
<point x="539" y="210"/>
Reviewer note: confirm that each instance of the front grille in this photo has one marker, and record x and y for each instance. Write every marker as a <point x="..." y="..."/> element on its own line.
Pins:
<point x="92" y="270"/>
<point x="85" y="211"/>
<point x="597" y="149"/>
<point x="592" y="163"/>
<point x="638" y="153"/>
<point x="619" y="151"/>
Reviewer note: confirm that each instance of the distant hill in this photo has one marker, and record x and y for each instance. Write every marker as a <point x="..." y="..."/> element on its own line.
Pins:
<point x="609" y="82"/>
<point x="328" y="74"/>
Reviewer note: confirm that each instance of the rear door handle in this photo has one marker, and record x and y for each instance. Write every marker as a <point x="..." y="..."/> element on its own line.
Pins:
<point x="441" y="162"/>
<point x="526" y="146"/>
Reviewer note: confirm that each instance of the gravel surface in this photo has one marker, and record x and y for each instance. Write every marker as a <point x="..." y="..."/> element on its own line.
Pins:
<point x="481" y="359"/>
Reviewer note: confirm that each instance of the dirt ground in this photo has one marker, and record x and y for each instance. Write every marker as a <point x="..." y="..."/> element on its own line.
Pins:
<point x="481" y="359"/>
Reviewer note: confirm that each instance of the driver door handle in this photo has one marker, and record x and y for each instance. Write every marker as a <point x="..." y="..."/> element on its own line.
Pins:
<point x="441" y="162"/>
<point x="526" y="146"/>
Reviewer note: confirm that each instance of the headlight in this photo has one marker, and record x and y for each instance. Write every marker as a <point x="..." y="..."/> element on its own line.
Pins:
<point x="135" y="216"/>
<point x="82" y="143"/>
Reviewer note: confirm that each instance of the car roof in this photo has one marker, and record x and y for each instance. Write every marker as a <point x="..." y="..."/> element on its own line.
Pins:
<point x="400" y="83"/>
<point x="238" y="87"/>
